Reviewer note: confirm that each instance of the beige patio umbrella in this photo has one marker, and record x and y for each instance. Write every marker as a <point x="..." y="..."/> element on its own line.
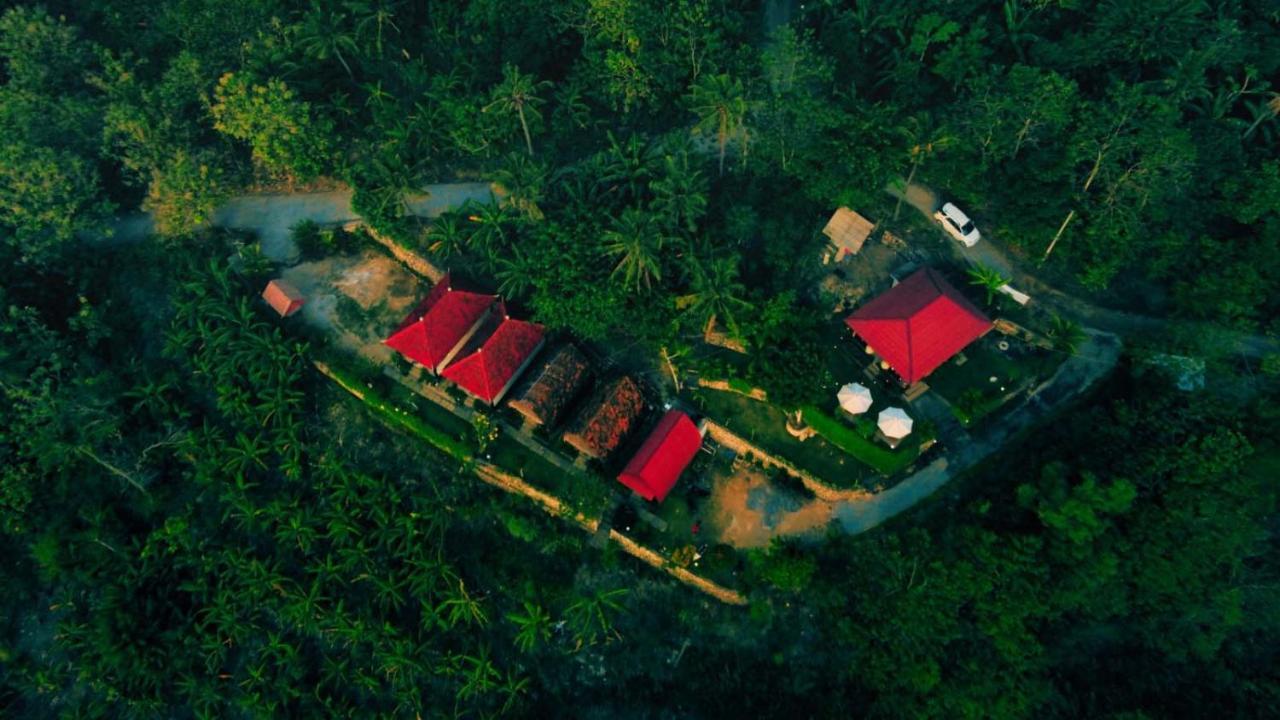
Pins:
<point x="894" y="423"/>
<point x="854" y="398"/>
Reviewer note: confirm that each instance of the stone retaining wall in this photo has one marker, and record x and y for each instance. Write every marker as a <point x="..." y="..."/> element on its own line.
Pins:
<point x="412" y="260"/>
<point x="755" y="394"/>
<point x="820" y="489"/>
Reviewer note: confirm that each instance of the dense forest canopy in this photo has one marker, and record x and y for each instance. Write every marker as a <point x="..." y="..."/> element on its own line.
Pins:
<point x="195" y="526"/>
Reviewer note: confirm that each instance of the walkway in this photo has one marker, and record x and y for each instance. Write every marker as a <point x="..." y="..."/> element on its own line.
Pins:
<point x="990" y="254"/>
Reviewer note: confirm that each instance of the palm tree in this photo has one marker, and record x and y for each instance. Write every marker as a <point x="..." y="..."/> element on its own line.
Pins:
<point x="534" y="626"/>
<point x="987" y="278"/>
<point x="635" y="242"/>
<point x="446" y="237"/>
<point x="720" y="103"/>
<point x="924" y="140"/>
<point x="680" y="193"/>
<point x="489" y="234"/>
<point x="321" y="36"/>
<point x="1065" y="334"/>
<point x="718" y="293"/>
<point x="591" y="617"/>
<point x="628" y="167"/>
<point x="376" y="14"/>
<point x="514" y="272"/>
<point x="518" y="93"/>
<point x="525" y="181"/>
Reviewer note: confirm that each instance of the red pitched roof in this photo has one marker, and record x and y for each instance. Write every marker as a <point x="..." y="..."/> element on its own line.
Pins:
<point x="438" y="327"/>
<point x="918" y="324"/>
<point x="492" y="361"/>
<point x="665" y="454"/>
<point x="283" y="297"/>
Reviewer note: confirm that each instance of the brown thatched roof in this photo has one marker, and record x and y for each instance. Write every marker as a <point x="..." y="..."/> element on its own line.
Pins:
<point x="554" y="386"/>
<point x="848" y="230"/>
<point x="605" y="421"/>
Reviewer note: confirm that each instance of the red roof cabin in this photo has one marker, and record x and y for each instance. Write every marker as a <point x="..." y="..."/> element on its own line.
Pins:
<point x="918" y="324"/>
<point x="665" y="454"/>
<point x="438" y="328"/>
<point x="606" y="419"/>
<point x="496" y="356"/>
<point x="283" y="297"/>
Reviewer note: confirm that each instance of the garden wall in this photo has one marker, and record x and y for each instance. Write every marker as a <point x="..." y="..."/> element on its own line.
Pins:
<point x="414" y="261"/>
<point x="725" y="386"/>
<point x="820" y="489"/>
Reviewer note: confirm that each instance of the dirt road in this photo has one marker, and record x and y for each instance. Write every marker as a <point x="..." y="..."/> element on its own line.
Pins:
<point x="992" y="255"/>
<point x="271" y="216"/>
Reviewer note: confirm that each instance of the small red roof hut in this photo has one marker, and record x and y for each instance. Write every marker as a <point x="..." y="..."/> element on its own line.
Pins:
<point x="283" y="297"/>
<point x="918" y="324"/>
<point x="665" y="454"/>
<point x="607" y="419"/>
<point x="438" y="328"/>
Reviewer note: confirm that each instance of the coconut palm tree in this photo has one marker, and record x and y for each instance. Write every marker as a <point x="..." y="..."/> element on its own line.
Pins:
<point x="446" y="237"/>
<point x="635" y="243"/>
<point x="627" y="168"/>
<point x="924" y="139"/>
<point x="590" y="617"/>
<point x="1066" y="334"/>
<point x="720" y="102"/>
<point x="518" y="93"/>
<point x="514" y="271"/>
<point x="525" y="182"/>
<point x="374" y="15"/>
<point x="987" y="278"/>
<point x="534" y="626"/>
<point x="718" y="293"/>
<point x="680" y="192"/>
<point x="322" y="35"/>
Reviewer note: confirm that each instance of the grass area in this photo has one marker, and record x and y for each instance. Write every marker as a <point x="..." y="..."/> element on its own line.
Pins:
<point x="400" y="417"/>
<point x="765" y="425"/>
<point x="858" y="444"/>
<point x="969" y="388"/>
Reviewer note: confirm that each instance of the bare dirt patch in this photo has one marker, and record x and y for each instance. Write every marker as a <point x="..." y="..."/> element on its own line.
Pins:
<point x="745" y="513"/>
<point x="357" y="299"/>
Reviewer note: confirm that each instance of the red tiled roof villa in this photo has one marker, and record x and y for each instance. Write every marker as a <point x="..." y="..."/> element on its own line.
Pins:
<point x="438" y="328"/>
<point x="918" y="324"/>
<point x="492" y="361"/>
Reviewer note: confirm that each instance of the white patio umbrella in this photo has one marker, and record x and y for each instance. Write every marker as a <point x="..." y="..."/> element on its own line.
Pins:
<point x="894" y="423"/>
<point x="854" y="398"/>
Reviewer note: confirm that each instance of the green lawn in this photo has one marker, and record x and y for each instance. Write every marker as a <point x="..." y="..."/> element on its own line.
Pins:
<point x="765" y="425"/>
<point x="969" y="387"/>
<point x="859" y="444"/>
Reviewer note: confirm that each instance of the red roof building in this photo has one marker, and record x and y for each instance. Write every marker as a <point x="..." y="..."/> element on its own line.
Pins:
<point x="283" y="297"/>
<point x="440" y="325"/>
<point x="493" y="360"/>
<point x="918" y="324"/>
<point x="665" y="454"/>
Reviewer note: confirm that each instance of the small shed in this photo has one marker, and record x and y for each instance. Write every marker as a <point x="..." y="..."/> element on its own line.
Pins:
<point x="284" y="298"/>
<point x="848" y="231"/>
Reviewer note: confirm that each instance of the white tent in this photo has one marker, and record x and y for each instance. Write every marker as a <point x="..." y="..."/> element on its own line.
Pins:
<point x="854" y="398"/>
<point x="894" y="423"/>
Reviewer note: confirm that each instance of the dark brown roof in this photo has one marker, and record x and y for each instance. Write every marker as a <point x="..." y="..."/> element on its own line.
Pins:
<point x="605" y="421"/>
<point x="554" y="386"/>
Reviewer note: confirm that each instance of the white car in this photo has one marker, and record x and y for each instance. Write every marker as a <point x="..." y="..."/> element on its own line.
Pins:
<point x="957" y="224"/>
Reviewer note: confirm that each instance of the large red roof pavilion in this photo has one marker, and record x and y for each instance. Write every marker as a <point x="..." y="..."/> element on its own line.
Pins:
<point x="665" y="454"/>
<point x="440" y="325"/>
<point x="492" y="362"/>
<point x="918" y="324"/>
